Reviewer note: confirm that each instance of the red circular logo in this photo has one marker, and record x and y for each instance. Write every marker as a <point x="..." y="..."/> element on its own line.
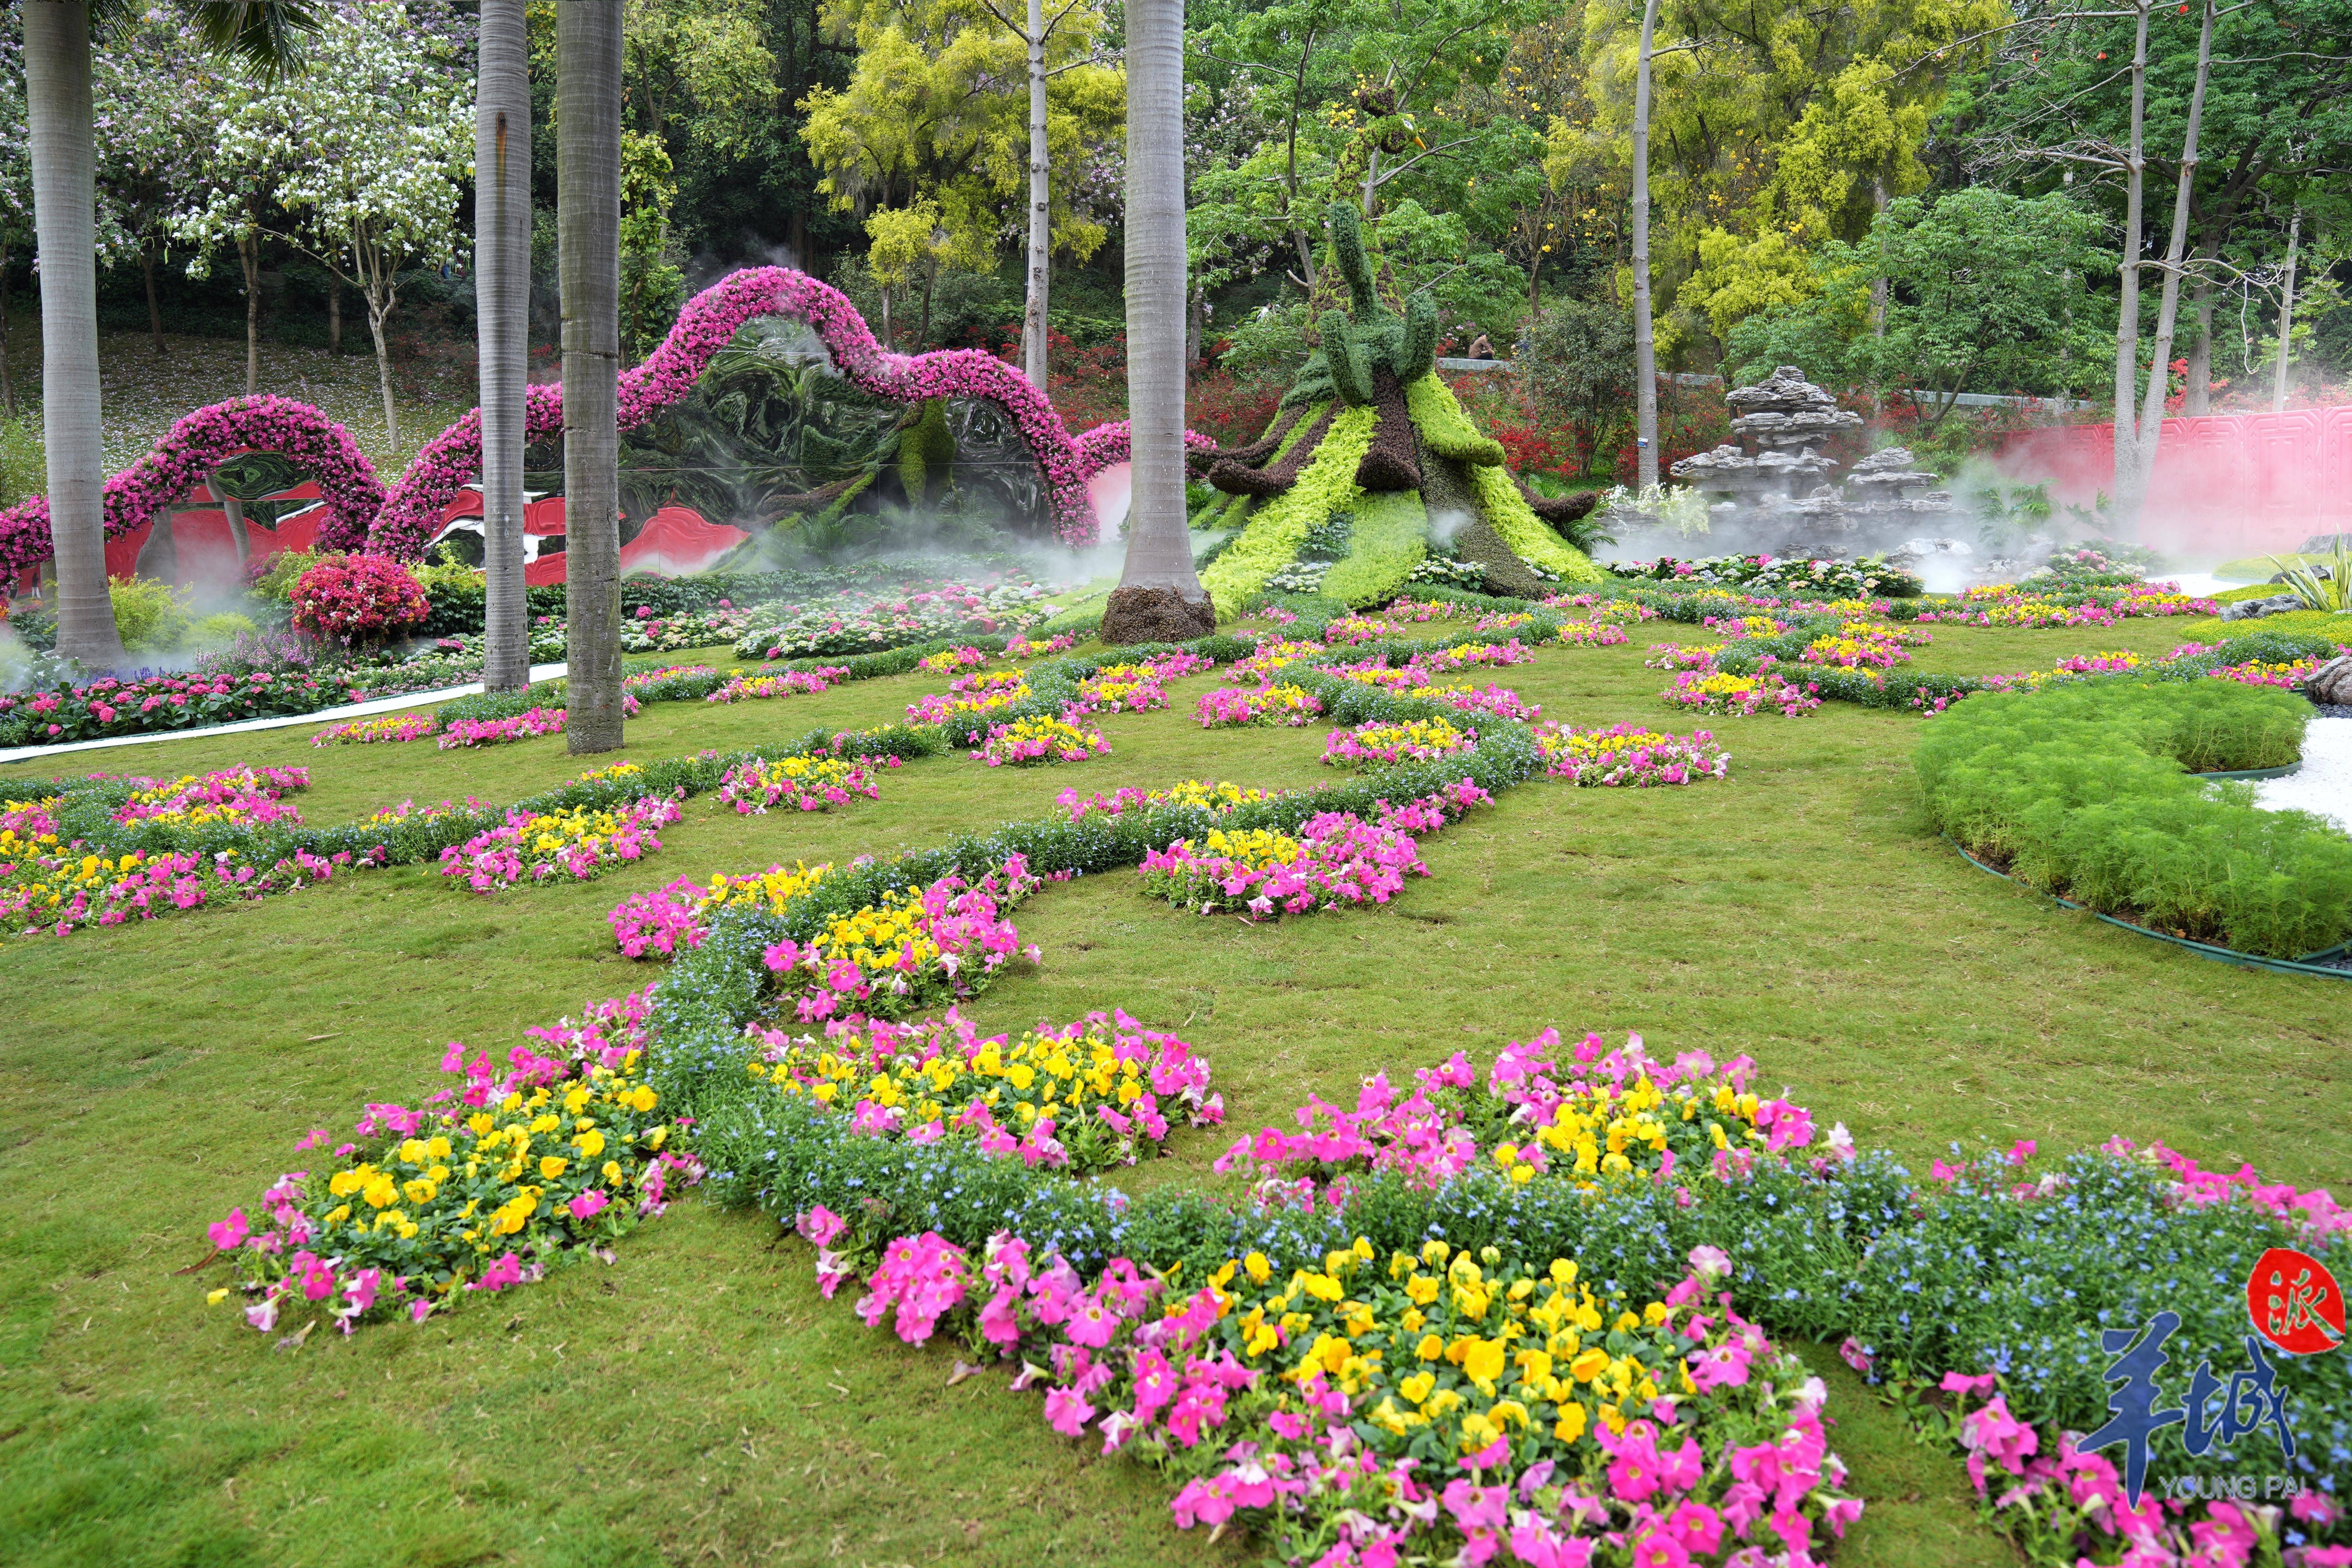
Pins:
<point x="2294" y="1302"/>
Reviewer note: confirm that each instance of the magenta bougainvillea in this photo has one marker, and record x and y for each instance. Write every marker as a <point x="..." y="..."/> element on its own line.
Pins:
<point x="198" y="444"/>
<point x="361" y="516"/>
<point x="708" y="323"/>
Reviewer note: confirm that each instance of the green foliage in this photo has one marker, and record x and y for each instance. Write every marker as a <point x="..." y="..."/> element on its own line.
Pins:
<point x="24" y="462"/>
<point x="149" y="616"/>
<point x="926" y="450"/>
<point x="1390" y="538"/>
<point x="1369" y="339"/>
<point x="2328" y="590"/>
<point x="2084" y="791"/>
<point x="1276" y="527"/>
<point x="1988" y="292"/>
<point x="653" y="286"/>
<point x="1577" y="367"/>
<point x="285" y="569"/>
<point x="219" y="630"/>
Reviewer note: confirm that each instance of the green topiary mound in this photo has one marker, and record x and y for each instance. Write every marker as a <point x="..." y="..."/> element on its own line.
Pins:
<point x="1369" y="429"/>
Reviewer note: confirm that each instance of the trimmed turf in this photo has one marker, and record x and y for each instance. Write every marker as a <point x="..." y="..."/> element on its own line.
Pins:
<point x="694" y="1400"/>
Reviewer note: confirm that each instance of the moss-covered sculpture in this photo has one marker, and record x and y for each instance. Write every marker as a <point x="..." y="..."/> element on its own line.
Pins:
<point x="1369" y="428"/>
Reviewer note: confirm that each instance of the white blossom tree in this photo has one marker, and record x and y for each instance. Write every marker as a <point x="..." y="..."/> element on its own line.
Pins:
<point x="359" y="161"/>
<point x="152" y="88"/>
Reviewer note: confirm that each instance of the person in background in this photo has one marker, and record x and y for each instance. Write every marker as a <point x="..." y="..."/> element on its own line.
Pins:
<point x="1480" y="348"/>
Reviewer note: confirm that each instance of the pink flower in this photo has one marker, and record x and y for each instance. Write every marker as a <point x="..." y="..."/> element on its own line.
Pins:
<point x="588" y="1204"/>
<point x="820" y="1225"/>
<point x="506" y="1272"/>
<point x="1067" y="1413"/>
<point x="227" y="1233"/>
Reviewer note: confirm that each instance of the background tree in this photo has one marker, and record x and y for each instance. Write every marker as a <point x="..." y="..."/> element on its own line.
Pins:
<point x="362" y="159"/>
<point x="502" y="300"/>
<point x="929" y="115"/>
<point x="1159" y="597"/>
<point x="588" y="150"/>
<point x="154" y="95"/>
<point x="1578" y="369"/>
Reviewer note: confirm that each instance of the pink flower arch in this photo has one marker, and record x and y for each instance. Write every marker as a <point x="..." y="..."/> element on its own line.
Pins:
<point x="195" y="446"/>
<point x="708" y="323"/>
<point x="362" y="516"/>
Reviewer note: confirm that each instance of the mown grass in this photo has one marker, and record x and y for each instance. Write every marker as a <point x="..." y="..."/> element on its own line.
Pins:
<point x="695" y="1401"/>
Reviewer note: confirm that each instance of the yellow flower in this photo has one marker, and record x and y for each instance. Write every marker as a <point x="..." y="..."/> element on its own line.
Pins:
<point x="1588" y="1365"/>
<point x="550" y="1167"/>
<point x="589" y="1143"/>
<point x="419" y="1192"/>
<point x="1482" y="1363"/>
<point x="216" y="1298"/>
<point x="1417" y="1387"/>
<point x="1431" y="1348"/>
<point x="1570" y="1424"/>
<point x="612" y="1172"/>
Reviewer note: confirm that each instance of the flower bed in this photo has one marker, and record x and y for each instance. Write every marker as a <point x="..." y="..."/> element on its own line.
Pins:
<point x="390" y="727"/>
<point x="1629" y="754"/>
<point x="581" y="843"/>
<point x="946" y="661"/>
<point x="1713" y="691"/>
<point x="1590" y="634"/>
<point x="198" y="800"/>
<point x="2004" y="605"/>
<point x="1335" y="860"/>
<point x="789" y="683"/>
<point x="464" y="732"/>
<point x="912" y="948"/>
<point x="1470" y="655"/>
<point x="1116" y="687"/>
<point x="1496" y="702"/>
<point x="1084" y="1097"/>
<point x="1220" y="797"/>
<point x="1679" y="656"/>
<point x="148" y="703"/>
<point x="1414" y="740"/>
<point x="799" y="783"/>
<point x="672" y="682"/>
<point x="870" y="620"/>
<point x="1026" y="742"/>
<point x="47" y="893"/>
<point x="1281" y="704"/>
<point x="1858" y="645"/>
<point x="1273" y="655"/>
<point x="480" y="1188"/>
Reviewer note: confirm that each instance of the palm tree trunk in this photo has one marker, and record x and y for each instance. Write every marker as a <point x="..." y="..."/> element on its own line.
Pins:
<point x="65" y="215"/>
<point x="1645" y="348"/>
<point x="502" y="291"/>
<point x="588" y="212"/>
<point x="1033" y="317"/>
<point x="2126" y="467"/>
<point x="1159" y="597"/>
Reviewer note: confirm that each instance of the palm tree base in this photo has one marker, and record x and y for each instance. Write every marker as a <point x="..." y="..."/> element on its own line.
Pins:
<point x="1138" y="614"/>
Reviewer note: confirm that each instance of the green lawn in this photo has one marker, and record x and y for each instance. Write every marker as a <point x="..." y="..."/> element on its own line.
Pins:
<point x="695" y="1401"/>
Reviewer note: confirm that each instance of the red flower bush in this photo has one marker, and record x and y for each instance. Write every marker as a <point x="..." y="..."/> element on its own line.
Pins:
<point x="359" y="600"/>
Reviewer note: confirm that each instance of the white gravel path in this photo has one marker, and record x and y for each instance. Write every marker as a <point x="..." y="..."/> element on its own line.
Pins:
<point x="323" y="716"/>
<point x="2324" y="783"/>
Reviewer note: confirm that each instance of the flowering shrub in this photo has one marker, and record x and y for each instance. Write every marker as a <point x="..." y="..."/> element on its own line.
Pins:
<point x="1765" y="574"/>
<point x="1134" y="687"/>
<point x="1631" y="755"/>
<point x="674" y="917"/>
<point x="1590" y="634"/>
<point x="196" y="800"/>
<point x="1347" y="631"/>
<point x="915" y="949"/>
<point x="581" y="843"/>
<point x="1336" y="859"/>
<point x="2003" y="605"/>
<point x="966" y="713"/>
<point x="1416" y="739"/>
<point x="2257" y="673"/>
<point x="1085" y="1097"/>
<point x="1740" y="695"/>
<point x="1734" y="628"/>
<point x="480" y="1188"/>
<point x="176" y="702"/>
<point x="1027" y="741"/>
<point x="1281" y="703"/>
<point x="789" y="683"/>
<point x="1220" y="797"/>
<point x="2100" y="663"/>
<point x="1022" y="647"/>
<point x="357" y="601"/>
<point x="390" y="727"/>
<point x="798" y="783"/>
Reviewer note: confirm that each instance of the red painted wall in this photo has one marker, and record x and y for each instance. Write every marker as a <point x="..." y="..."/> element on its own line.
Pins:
<point x="2225" y="487"/>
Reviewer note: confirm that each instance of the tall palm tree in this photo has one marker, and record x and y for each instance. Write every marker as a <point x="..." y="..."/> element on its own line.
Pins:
<point x="1159" y="597"/>
<point x="502" y="290"/>
<point x="1646" y="352"/>
<point x="588" y="226"/>
<point x="65" y="209"/>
